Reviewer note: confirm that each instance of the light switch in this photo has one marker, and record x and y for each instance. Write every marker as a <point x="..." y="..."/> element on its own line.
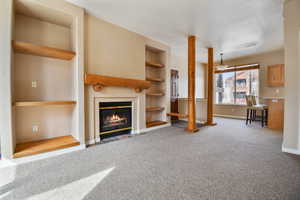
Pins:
<point x="34" y="84"/>
<point x="35" y="128"/>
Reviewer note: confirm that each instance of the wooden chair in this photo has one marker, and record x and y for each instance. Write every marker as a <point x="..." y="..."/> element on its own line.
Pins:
<point x="252" y="107"/>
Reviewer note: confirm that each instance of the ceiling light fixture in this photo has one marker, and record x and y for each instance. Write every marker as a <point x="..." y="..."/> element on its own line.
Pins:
<point x="222" y="66"/>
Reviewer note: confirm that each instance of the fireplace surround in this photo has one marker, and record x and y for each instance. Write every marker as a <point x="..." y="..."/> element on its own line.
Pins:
<point x="115" y="118"/>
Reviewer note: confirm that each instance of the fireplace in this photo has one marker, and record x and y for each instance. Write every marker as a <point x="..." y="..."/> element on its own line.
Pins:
<point x="115" y="118"/>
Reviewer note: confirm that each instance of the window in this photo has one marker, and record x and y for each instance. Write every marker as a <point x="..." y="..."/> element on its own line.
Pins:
<point x="232" y="86"/>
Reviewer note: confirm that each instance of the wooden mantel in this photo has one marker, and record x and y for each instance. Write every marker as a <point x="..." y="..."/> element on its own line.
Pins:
<point x="99" y="81"/>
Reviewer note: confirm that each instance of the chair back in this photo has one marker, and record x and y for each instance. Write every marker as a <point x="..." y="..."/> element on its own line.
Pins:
<point x="253" y="100"/>
<point x="249" y="100"/>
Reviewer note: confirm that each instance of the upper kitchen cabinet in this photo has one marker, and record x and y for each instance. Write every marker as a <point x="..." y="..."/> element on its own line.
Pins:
<point x="276" y="75"/>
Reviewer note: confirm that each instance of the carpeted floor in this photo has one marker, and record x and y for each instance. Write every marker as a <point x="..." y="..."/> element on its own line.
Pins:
<point x="229" y="161"/>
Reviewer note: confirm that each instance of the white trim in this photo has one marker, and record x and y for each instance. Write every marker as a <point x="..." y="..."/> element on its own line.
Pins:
<point x="292" y="151"/>
<point x="197" y="121"/>
<point x="45" y="155"/>
<point x="91" y="141"/>
<point x="230" y="104"/>
<point x="153" y="128"/>
<point x="230" y="116"/>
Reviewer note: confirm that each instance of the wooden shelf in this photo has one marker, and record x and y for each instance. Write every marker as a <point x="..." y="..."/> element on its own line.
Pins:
<point x="155" y="94"/>
<point x="42" y="103"/>
<point x="155" y="79"/>
<point x="157" y="65"/>
<point x="154" y="109"/>
<point x="177" y="115"/>
<point x="28" y="48"/>
<point x="36" y="147"/>
<point x="155" y="123"/>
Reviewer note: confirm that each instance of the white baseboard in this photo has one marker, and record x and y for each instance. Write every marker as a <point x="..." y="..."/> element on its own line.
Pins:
<point x="230" y="116"/>
<point x="154" y="128"/>
<point x="292" y="151"/>
<point x="197" y="121"/>
<point x="41" y="156"/>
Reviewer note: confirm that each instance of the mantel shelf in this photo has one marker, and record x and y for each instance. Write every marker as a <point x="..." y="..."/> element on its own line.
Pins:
<point x="99" y="81"/>
<point x="28" y="48"/>
<point x="42" y="103"/>
<point x="154" y="109"/>
<point x="157" y="65"/>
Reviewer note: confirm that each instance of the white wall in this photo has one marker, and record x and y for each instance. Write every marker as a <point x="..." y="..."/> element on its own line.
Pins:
<point x="6" y="133"/>
<point x="181" y="64"/>
<point x="291" y="136"/>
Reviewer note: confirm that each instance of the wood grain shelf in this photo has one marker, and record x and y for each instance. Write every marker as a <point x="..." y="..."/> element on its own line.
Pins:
<point x="28" y="48"/>
<point x="150" y="124"/>
<point x="42" y="146"/>
<point x="154" y="109"/>
<point x="100" y="81"/>
<point x="157" y="65"/>
<point x="42" y="103"/>
<point x="177" y="115"/>
<point x="155" y="94"/>
<point x="160" y="80"/>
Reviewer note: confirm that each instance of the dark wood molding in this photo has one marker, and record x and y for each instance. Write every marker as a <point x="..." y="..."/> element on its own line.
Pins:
<point x="232" y="69"/>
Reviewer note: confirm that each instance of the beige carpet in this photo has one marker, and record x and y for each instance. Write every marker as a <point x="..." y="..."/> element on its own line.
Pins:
<point x="229" y="161"/>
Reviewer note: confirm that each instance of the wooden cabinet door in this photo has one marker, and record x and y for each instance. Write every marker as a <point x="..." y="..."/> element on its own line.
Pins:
<point x="276" y="75"/>
<point x="275" y="115"/>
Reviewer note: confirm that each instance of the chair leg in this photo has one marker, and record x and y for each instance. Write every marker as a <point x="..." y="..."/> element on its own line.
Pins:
<point x="254" y="115"/>
<point x="267" y="115"/>
<point x="262" y="118"/>
<point x="251" y="114"/>
<point x="247" y="117"/>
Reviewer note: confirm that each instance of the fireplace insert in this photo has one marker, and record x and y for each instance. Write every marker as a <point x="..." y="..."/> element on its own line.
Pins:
<point x="115" y="118"/>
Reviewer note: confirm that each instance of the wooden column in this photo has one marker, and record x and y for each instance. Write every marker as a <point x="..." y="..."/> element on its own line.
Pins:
<point x="191" y="84"/>
<point x="210" y="88"/>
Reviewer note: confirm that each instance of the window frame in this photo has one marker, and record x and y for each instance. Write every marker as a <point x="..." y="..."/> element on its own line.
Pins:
<point x="235" y="69"/>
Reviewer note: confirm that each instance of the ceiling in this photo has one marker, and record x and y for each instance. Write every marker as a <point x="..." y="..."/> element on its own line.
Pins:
<point x="235" y="27"/>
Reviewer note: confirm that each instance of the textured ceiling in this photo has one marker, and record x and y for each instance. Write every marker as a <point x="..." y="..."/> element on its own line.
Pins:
<point x="235" y="27"/>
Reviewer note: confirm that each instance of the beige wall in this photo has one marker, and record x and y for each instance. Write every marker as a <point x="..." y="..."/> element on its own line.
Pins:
<point x="114" y="51"/>
<point x="265" y="59"/>
<point x="291" y="138"/>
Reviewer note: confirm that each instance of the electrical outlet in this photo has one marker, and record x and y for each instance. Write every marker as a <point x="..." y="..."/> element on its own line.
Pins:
<point x="34" y="84"/>
<point x="35" y="128"/>
<point x="277" y="91"/>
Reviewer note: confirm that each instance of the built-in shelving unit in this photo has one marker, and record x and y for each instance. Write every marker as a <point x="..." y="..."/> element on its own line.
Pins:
<point x="156" y="73"/>
<point x="47" y="82"/>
